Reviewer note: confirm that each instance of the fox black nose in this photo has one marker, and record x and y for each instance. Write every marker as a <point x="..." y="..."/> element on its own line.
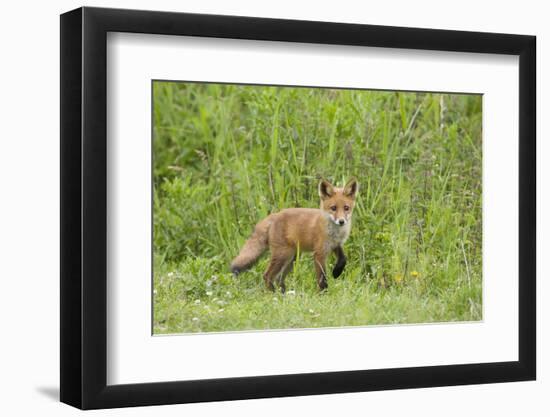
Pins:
<point x="341" y="221"/>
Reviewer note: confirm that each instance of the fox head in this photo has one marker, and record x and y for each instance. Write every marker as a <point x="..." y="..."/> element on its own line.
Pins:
<point x="338" y="202"/>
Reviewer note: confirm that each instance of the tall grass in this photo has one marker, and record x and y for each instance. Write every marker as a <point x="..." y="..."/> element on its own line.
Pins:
<point x="225" y="156"/>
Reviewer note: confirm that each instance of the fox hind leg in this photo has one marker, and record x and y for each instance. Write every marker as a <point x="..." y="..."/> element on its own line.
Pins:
<point x="282" y="275"/>
<point x="273" y="266"/>
<point x="276" y="269"/>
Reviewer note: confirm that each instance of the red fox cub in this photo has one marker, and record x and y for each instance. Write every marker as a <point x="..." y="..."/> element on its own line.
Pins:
<point x="320" y="231"/>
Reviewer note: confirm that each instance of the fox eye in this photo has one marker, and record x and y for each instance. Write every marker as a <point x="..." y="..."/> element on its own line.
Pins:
<point x="346" y="208"/>
<point x="333" y="208"/>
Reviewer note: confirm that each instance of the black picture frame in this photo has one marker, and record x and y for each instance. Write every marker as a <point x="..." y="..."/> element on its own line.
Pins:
<point x="84" y="207"/>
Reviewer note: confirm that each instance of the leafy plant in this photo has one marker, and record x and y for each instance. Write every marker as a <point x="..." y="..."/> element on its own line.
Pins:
<point x="225" y="156"/>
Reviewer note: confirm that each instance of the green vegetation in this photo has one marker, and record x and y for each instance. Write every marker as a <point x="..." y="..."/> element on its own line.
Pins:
<point x="225" y="156"/>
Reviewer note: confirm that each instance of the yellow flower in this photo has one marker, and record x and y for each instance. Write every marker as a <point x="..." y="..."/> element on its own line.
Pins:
<point x="398" y="278"/>
<point x="415" y="274"/>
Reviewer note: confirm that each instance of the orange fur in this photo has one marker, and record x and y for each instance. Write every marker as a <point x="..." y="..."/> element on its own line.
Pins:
<point x="320" y="231"/>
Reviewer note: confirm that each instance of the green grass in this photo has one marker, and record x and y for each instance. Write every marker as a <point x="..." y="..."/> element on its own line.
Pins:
<point x="225" y="156"/>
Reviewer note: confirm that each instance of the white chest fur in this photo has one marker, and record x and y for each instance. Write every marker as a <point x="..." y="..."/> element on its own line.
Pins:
<point x="336" y="234"/>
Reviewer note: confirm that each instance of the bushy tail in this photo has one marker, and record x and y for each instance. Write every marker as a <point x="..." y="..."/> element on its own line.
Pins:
<point x="253" y="248"/>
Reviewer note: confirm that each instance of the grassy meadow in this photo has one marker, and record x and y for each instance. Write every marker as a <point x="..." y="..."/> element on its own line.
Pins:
<point x="225" y="156"/>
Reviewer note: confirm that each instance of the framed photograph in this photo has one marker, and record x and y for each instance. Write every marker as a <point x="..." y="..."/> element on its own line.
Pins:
<point x="256" y="208"/>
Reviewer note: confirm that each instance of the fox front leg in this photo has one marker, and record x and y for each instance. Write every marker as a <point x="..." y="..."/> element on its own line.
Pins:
<point x="340" y="262"/>
<point x="319" y="259"/>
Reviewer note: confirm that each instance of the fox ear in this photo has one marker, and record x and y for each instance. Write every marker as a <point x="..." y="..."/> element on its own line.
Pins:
<point x="326" y="189"/>
<point x="351" y="188"/>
